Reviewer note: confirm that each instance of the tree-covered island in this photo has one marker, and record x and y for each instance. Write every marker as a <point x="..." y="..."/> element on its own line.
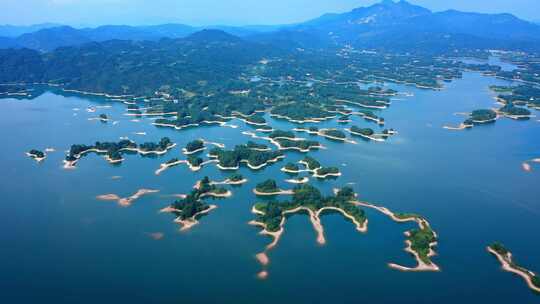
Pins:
<point x="189" y="209"/>
<point x="504" y="256"/>
<point x="37" y="155"/>
<point x="268" y="188"/>
<point x="313" y="167"/>
<point x="231" y="159"/>
<point x="194" y="146"/>
<point x="114" y="151"/>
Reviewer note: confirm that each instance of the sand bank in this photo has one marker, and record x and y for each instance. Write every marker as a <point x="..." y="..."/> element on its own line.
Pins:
<point x="297" y="181"/>
<point x="277" y="192"/>
<point x="156" y="235"/>
<point x="126" y="201"/>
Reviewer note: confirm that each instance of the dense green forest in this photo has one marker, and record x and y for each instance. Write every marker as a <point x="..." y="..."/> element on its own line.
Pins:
<point x="310" y="197"/>
<point x="240" y="153"/>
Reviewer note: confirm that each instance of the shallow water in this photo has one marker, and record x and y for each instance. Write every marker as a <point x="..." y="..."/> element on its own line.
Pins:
<point x="61" y="245"/>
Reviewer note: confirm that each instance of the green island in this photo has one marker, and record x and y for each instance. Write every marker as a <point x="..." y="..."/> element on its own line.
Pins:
<point x="257" y="120"/>
<point x="114" y="151"/>
<point x="369" y="134"/>
<point x="189" y="209"/>
<point x="272" y="213"/>
<point x="193" y="147"/>
<point x="231" y="159"/>
<point x="298" y="145"/>
<point x="512" y="111"/>
<point x="194" y="161"/>
<point x="513" y="100"/>
<point x="313" y="167"/>
<point x="333" y="134"/>
<point x="482" y="116"/>
<point x="311" y="163"/>
<point x="362" y="131"/>
<point x="421" y="240"/>
<point x="327" y="172"/>
<point x="523" y="95"/>
<point x="504" y="256"/>
<point x="36" y="154"/>
<point x="271" y="216"/>
<point x="291" y="168"/>
<point x="501" y="89"/>
<point x="300" y="112"/>
<point x="236" y="178"/>
<point x="280" y="134"/>
<point x="269" y="187"/>
<point x="256" y="146"/>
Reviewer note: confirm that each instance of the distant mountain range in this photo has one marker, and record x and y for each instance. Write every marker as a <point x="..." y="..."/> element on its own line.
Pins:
<point x="48" y="38"/>
<point x="398" y="26"/>
<point x="17" y="30"/>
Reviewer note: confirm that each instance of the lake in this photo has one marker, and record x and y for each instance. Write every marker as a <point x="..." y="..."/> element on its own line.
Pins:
<point x="61" y="245"/>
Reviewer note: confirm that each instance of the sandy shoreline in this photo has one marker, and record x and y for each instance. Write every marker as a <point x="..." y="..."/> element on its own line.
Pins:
<point x="383" y="104"/>
<point x="192" y="221"/>
<point x="321" y="133"/>
<point x="314" y="172"/>
<point x="370" y="137"/>
<point x="275" y="142"/>
<point x="72" y="164"/>
<point x="186" y="152"/>
<point x="314" y="217"/>
<point x="422" y="224"/>
<point x="278" y="192"/>
<point x="296" y="181"/>
<point x="229" y="182"/>
<point x="126" y="201"/>
<point x="462" y="126"/>
<point x="311" y="120"/>
<point x="35" y="157"/>
<point x="507" y="265"/>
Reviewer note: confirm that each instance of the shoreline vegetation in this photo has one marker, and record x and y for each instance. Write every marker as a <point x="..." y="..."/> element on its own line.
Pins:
<point x="333" y="134"/>
<point x="114" y="151"/>
<point x="505" y="258"/>
<point x="313" y="167"/>
<point x="510" y="109"/>
<point x="286" y="140"/>
<point x="369" y="134"/>
<point x="420" y="242"/>
<point x="271" y="216"/>
<point x="230" y="160"/>
<point x="126" y="201"/>
<point x="190" y="208"/>
<point x="36" y="155"/>
<point x="270" y="188"/>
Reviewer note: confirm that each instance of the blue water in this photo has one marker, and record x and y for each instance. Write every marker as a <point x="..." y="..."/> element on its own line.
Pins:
<point x="61" y="245"/>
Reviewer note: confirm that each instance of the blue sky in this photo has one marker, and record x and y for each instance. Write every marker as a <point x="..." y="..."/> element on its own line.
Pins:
<point x="233" y="12"/>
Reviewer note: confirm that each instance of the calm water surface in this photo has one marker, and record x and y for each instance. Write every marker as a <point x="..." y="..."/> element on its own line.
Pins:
<point x="61" y="245"/>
